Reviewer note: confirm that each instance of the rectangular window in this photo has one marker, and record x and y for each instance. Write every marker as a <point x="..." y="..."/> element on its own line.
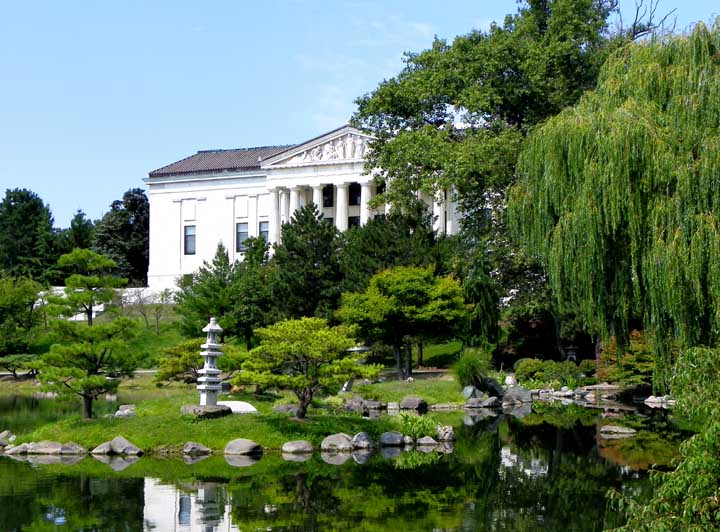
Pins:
<point x="355" y="192"/>
<point x="264" y="230"/>
<point x="241" y="235"/>
<point x="330" y="220"/>
<point x="353" y="221"/>
<point x="189" y="240"/>
<point x="328" y="196"/>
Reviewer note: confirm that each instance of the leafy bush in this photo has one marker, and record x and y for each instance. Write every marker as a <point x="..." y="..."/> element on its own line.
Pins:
<point x="548" y="373"/>
<point x="417" y="426"/>
<point x="634" y="368"/>
<point x="474" y="363"/>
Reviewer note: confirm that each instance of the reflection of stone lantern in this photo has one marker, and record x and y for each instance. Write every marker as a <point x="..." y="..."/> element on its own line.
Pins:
<point x="209" y="380"/>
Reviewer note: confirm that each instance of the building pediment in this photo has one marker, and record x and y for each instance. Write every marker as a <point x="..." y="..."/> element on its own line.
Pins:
<point x="342" y="145"/>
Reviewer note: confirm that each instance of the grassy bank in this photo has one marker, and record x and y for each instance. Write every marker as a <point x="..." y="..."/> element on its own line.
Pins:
<point x="158" y="425"/>
<point x="436" y="390"/>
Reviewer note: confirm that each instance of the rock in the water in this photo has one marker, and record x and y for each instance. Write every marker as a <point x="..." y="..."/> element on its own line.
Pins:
<point x="490" y="402"/>
<point x="391" y="439"/>
<point x="239" y="407"/>
<point x="6" y="438"/>
<point x="337" y="443"/>
<point x="426" y="441"/>
<point x="18" y="449"/>
<point x="414" y="403"/>
<point x="335" y="458"/>
<point x="44" y="447"/>
<point x="611" y="432"/>
<point x="205" y="412"/>
<point x="242" y="460"/>
<point x="517" y="395"/>
<point x="474" y="402"/>
<point x="195" y="449"/>
<point x="241" y="446"/>
<point x="470" y="392"/>
<point x="491" y="387"/>
<point x="120" y="445"/>
<point x="296" y="457"/>
<point x="407" y="441"/>
<point x="287" y="409"/>
<point x="362" y="440"/>
<point x="102" y="449"/>
<point x="125" y="411"/>
<point x="393" y="406"/>
<point x="72" y="449"/>
<point x="297" y="447"/>
<point x="375" y="405"/>
<point x="446" y="433"/>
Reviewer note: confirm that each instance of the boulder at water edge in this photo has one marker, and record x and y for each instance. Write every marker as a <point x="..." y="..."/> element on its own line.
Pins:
<point x="426" y="441"/>
<point x="339" y="442"/>
<point x="362" y="440"/>
<point x="391" y="439"/>
<point x="297" y="447"/>
<point x="44" y="447"/>
<point x="117" y="446"/>
<point x="414" y="403"/>
<point x="195" y="449"/>
<point x="241" y="446"/>
<point x="205" y="412"/>
<point x="517" y="395"/>
<point x="446" y="433"/>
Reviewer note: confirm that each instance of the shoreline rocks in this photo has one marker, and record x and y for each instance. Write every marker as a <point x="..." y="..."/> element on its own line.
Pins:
<point x="117" y="446"/>
<point x="242" y="447"/>
<point x="339" y="442"/>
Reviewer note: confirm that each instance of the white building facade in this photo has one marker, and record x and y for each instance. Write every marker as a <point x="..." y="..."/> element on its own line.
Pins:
<point x="226" y="196"/>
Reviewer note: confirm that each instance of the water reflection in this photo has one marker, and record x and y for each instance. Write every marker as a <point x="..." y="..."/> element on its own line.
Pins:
<point x="505" y="473"/>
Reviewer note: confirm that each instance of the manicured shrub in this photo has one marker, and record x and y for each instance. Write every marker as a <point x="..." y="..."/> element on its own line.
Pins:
<point x="417" y="426"/>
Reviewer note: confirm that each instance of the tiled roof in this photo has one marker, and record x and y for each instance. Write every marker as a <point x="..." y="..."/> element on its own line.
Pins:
<point x="207" y="161"/>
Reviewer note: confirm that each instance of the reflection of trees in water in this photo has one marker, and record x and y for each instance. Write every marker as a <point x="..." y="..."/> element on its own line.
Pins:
<point x="35" y="500"/>
<point x="554" y="480"/>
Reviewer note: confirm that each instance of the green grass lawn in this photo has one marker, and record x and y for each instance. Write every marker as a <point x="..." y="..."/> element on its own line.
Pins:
<point x="437" y="390"/>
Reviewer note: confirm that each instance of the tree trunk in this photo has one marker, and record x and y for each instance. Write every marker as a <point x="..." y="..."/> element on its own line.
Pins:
<point x="420" y="354"/>
<point x="398" y="362"/>
<point x="408" y="360"/>
<point x="87" y="406"/>
<point x="157" y="326"/>
<point x="303" y="406"/>
<point x="89" y="314"/>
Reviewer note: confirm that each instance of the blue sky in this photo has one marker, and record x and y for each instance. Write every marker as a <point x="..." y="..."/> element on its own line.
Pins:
<point x="95" y="94"/>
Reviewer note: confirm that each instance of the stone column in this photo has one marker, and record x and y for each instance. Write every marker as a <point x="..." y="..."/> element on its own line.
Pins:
<point x="285" y="205"/>
<point x="294" y="200"/>
<point x="252" y="216"/>
<point x="439" y="212"/>
<point x="318" y="197"/>
<point x="274" y="216"/>
<point x="341" y="208"/>
<point x="365" y="197"/>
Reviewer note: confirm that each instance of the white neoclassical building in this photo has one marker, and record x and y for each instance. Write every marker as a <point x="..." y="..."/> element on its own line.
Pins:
<point x="227" y="196"/>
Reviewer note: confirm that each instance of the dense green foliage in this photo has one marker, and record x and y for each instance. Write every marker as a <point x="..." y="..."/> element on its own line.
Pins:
<point x="403" y="304"/>
<point x="26" y="241"/>
<point x="19" y="316"/>
<point x="89" y="284"/>
<point x="309" y="277"/>
<point x="123" y="235"/>
<point x="534" y="373"/>
<point x="620" y="200"/>
<point x="304" y="356"/>
<point x="86" y="360"/>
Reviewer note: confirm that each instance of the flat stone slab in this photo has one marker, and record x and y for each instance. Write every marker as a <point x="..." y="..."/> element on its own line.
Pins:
<point x="241" y="446"/>
<point x="297" y="447"/>
<point x="206" y="412"/>
<point x="412" y="402"/>
<point x="239" y="407"/>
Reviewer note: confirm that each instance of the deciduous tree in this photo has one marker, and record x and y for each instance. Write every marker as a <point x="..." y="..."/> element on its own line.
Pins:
<point x="402" y="304"/>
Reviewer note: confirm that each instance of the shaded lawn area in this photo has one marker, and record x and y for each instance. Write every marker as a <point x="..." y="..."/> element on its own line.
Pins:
<point x="437" y="390"/>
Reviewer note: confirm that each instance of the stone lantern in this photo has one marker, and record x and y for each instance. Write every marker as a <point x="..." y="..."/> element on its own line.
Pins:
<point x="209" y="380"/>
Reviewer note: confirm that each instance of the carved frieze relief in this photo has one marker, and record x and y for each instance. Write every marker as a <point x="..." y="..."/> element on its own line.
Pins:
<point x="347" y="147"/>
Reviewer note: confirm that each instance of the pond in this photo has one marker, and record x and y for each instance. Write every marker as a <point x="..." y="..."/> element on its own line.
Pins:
<point x="549" y="470"/>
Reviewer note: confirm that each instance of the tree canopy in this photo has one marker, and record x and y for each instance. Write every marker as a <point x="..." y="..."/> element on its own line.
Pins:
<point x="26" y="240"/>
<point x="304" y="356"/>
<point x="405" y="303"/>
<point x="619" y="196"/>
<point x="123" y="235"/>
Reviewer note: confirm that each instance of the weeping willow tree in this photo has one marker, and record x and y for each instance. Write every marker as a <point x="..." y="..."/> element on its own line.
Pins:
<point x="619" y="196"/>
